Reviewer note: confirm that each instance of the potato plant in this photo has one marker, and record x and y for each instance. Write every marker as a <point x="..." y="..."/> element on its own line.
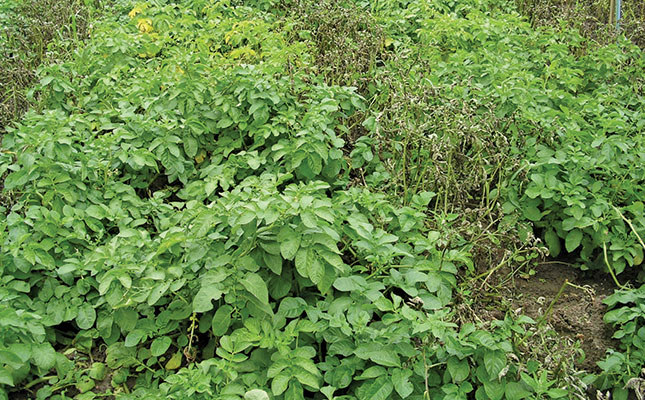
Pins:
<point x="202" y="207"/>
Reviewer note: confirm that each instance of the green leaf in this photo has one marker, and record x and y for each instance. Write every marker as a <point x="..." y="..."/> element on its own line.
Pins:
<point x="556" y="393"/>
<point x="44" y="356"/>
<point x="270" y="247"/>
<point x="294" y="392"/>
<point x="134" y="338"/>
<point x="255" y="285"/>
<point x="328" y="391"/>
<point x="302" y="261"/>
<point x="190" y="146"/>
<point x="341" y="377"/>
<point x="307" y="378"/>
<point x="494" y="361"/>
<point x="459" y="369"/>
<point x="225" y="122"/>
<point x="620" y="393"/>
<point x="346" y="284"/>
<point x="576" y="211"/>
<point x="11" y="359"/>
<point x="573" y="240"/>
<point x="84" y="385"/>
<point x="158" y="291"/>
<point x="316" y="270"/>
<point x="327" y="280"/>
<point x="246" y="217"/>
<point x="292" y="307"/>
<point x="380" y="389"/>
<point x="221" y="320"/>
<point x="553" y="241"/>
<point x="86" y="316"/>
<point x="533" y="191"/>
<point x="370" y="123"/>
<point x="308" y="219"/>
<point x="494" y="389"/>
<point x="22" y="351"/>
<point x="202" y="301"/>
<point x="274" y="262"/>
<point x="372" y="372"/>
<point x="126" y="318"/>
<point x="98" y="371"/>
<point x="532" y="213"/>
<point x="160" y="345"/>
<point x="5" y="378"/>
<point x="289" y="242"/>
<point x="256" y="394"/>
<point x="95" y="211"/>
<point x="17" y="178"/>
<point x="386" y="357"/>
<point x="516" y="391"/>
<point x="332" y="258"/>
<point x="279" y="384"/>
<point x="174" y="362"/>
<point x="382" y="355"/>
<point x="401" y="381"/>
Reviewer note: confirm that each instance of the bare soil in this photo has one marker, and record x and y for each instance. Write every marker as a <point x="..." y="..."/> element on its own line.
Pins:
<point x="578" y="312"/>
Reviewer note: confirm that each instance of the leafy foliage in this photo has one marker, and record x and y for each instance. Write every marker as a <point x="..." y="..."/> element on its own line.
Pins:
<point x="204" y="208"/>
<point x="34" y="32"/>
<point x="622" y="370"/>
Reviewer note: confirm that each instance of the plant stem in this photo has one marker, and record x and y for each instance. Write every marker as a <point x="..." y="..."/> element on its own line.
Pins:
<point x="547" y="314"/>
<point x="631" y="226"/>
<point x="611" y="271"/>
<point x="39" y="380"/>
<point x="489" y="272"/>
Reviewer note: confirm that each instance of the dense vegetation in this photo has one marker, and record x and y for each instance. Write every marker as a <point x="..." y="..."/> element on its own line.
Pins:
<point x="294" y="199"/>
<point x="594" y="19"/>
<point x="33" y="32"/>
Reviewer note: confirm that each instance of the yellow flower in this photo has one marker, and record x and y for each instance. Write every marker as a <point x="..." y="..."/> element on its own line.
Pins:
<point x="144" y="25"/>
